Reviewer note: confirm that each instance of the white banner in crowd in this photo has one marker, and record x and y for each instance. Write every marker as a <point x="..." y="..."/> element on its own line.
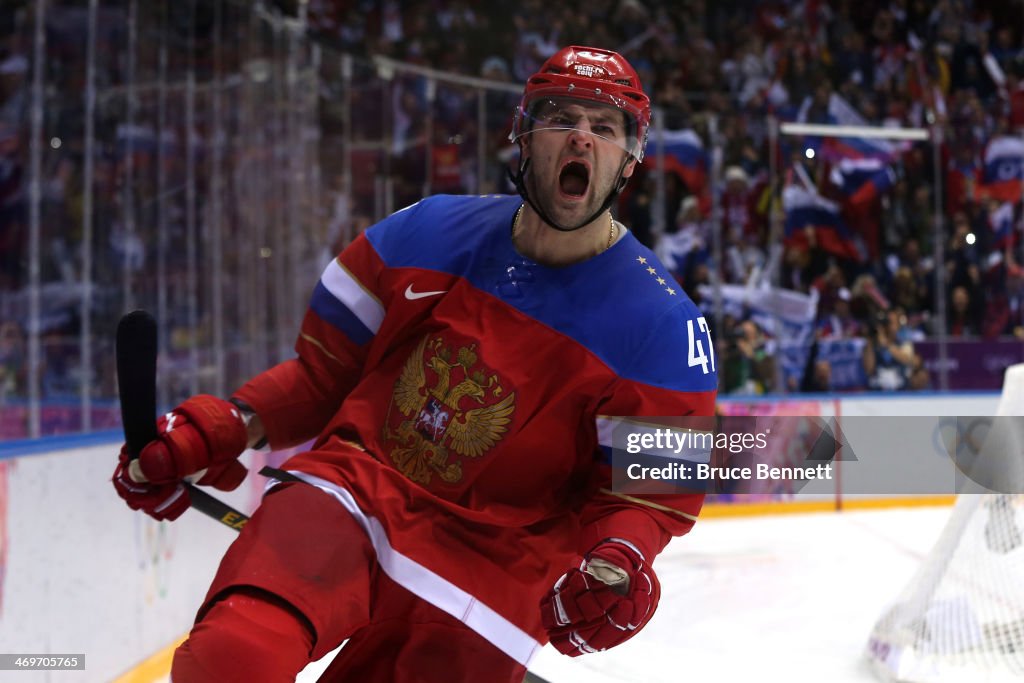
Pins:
<point x="786" y="316"/>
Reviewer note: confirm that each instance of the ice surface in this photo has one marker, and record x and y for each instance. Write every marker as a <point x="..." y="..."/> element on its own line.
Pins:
<point x="788" y="598"/>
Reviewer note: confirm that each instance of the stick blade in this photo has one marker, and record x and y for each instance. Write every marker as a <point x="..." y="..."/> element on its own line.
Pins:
<point x="136" y="378"/>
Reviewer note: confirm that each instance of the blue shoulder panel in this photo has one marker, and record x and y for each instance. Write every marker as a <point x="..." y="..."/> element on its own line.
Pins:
<point x="622" y="304"/>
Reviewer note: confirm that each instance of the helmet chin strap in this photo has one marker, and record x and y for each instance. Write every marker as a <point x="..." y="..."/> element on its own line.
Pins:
<point x="518" y="179"/>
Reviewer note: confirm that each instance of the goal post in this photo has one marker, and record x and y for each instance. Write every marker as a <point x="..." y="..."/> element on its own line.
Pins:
<point x="961" y="618"/>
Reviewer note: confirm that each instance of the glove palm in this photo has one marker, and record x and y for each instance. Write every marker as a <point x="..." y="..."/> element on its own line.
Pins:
<point x="602" y="603"/>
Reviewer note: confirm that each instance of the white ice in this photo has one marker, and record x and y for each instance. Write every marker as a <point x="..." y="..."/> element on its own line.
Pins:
<point x="788" y="598"/>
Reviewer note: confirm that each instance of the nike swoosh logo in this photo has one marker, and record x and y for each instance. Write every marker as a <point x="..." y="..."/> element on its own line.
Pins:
<point x="412" y="296"/>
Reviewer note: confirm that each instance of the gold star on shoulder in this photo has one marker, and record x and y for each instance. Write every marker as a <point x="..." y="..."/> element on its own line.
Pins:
<point x="661" y="280"/>
<point x="650" y="270"/>
<point x="671" y="291"/>
<point x="641" y="259"/>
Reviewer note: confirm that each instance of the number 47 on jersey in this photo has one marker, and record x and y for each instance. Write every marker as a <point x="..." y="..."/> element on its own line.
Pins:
<point x="696" y="350"/>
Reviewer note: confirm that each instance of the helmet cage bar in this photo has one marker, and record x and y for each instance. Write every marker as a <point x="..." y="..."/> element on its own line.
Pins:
<point x="609" y="117"/>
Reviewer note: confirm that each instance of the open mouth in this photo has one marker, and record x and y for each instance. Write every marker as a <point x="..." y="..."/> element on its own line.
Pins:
<point x="574" y="179"/>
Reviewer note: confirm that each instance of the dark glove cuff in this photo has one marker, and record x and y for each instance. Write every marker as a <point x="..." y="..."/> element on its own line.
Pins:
<point x="247" y="413"/>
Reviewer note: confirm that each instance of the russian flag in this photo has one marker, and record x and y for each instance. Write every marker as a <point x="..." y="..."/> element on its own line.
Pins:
<point x="862" y="180"/>
<point x="857" y="148"/>
<point x="1001" y="222"/>
<point x="1004" y="169"/>
<point x="685" y="156"/>
<point x="842" y="113"/>
<point x="805" y="209"/>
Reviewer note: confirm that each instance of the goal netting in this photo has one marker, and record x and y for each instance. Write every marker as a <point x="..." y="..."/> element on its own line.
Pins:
<point x="961" y="618"/>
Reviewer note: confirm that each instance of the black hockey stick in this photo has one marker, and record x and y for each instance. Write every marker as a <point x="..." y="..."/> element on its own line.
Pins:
<point x="136" y="349"/>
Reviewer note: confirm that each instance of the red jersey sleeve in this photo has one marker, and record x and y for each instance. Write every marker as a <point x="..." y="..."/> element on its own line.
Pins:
<point x="298" y="397"/>
<point x="649" y="521"/>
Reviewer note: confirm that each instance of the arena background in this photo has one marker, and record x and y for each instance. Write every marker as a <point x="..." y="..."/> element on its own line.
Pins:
<point x="205" y="159"/>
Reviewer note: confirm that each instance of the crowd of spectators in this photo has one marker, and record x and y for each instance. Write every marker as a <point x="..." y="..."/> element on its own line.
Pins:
<point x="721" y="69"/>
<point x="151" y="203"/>
<point x="957" y="65"/>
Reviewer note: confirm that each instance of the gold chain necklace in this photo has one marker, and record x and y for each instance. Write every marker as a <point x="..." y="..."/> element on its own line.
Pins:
<point x="612" y="230"/>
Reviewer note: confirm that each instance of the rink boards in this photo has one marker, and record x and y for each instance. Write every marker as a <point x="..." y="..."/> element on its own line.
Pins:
<point x="81" y="574"/>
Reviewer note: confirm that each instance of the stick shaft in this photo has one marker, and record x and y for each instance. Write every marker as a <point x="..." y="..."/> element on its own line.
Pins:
<point x="136" y="382"/>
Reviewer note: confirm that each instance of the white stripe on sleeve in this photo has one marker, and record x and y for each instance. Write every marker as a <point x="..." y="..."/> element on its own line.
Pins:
<point x="348" y="290"/>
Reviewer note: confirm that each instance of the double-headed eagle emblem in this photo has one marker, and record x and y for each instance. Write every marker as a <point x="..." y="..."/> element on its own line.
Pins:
<point x="447" y="403"/>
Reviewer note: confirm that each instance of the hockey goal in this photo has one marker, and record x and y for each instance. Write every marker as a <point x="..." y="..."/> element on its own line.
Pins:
<point x="961" y="618"/>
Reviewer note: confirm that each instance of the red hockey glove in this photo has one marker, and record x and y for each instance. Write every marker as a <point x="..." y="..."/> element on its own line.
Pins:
<point x="159" y="501"/>
<point x="204" y="434"/>
<point x="603" y="603"/>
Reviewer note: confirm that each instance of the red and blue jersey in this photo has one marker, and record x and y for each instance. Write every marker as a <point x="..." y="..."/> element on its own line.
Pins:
<point x="461" y="395"/>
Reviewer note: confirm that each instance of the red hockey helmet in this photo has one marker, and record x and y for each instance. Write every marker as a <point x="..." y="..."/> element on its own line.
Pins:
<point x="590" y="74"/>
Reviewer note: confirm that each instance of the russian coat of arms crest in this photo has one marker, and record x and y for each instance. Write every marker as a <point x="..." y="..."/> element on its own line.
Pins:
<point x="445" y="404"/>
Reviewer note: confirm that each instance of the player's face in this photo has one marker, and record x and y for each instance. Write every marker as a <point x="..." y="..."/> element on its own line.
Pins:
<point x="576" y="150"/>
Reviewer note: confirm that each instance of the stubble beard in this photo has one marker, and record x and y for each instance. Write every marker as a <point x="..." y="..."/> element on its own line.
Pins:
<point x="546" y="194"/>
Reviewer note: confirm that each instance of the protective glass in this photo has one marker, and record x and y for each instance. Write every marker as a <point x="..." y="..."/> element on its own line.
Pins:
<point x="605" y="116"/>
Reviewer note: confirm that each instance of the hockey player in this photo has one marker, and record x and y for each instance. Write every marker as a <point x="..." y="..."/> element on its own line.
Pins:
<point x="456" y="367"/>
